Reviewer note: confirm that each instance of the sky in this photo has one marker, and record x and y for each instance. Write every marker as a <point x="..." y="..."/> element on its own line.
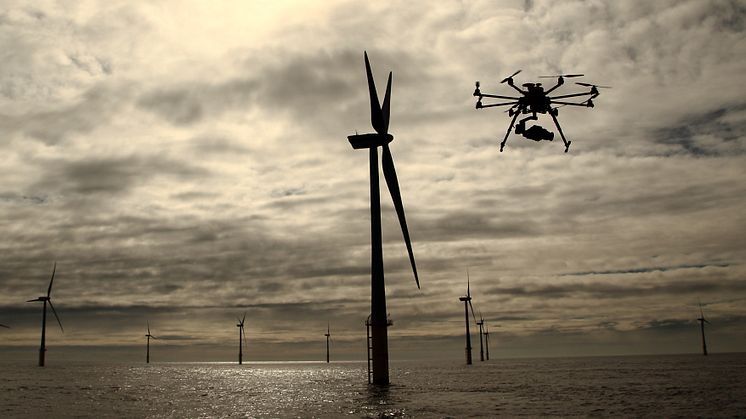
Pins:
<point x="184" y="162"/>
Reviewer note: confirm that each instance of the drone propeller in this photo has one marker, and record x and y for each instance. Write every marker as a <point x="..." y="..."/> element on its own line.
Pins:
<point x="567" y="76"/>
<point x="592" y="85"/>
<point x="510" y="76"/>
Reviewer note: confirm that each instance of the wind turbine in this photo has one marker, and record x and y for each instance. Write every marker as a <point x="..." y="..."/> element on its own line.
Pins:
<point x="480" y="323"/>
<point x="379" y="116"/>
<point x="241" y="338"/>
<point x="702" y="322"/>
<point x="487" y="341"/>
<point x="147" y="352"/>
<point x="46" y="299"/>
<point x="467" y="303"/>
<point x="327" y="334"/>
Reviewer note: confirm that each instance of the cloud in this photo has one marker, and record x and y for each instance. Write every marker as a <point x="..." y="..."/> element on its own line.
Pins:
<point x="109" y="175"/>
<point x="183" y="105"/>
<point x="94" y="109"/>
<point x="645" y="269"/>
<point x="606" y="290"/>
<point x="184" y="168"/>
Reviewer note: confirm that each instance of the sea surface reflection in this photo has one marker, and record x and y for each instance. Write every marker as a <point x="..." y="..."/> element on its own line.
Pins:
<point x="658" y="386"/>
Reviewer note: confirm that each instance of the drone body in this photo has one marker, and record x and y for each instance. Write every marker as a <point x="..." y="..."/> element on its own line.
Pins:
<point x="535" y="100"/>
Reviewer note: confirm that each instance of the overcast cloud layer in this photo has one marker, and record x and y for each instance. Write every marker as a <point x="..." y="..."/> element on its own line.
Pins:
<point x="184" y="162"/>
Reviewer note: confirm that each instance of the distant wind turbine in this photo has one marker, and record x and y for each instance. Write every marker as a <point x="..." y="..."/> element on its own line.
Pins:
<point x="480" y="323"/>
<point x="467" y="304"/>
<point x="487" y="341"/>
<point x="46" y="299"/>
<point x="702" y="322"/>
<point x="241" y="338"/>
<point x="379" y="115"/>
<point x="327" y="334"/>
<point x="147" y="350"/>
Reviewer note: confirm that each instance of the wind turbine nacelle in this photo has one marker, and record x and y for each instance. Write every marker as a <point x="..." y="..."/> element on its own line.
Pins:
<point x="372" y="140"/>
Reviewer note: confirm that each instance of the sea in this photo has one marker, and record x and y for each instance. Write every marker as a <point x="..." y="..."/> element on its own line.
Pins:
<point x="627" y="386"/>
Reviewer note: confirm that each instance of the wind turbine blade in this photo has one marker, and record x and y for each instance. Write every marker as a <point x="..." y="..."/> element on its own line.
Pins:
<point x="49" y="290"/>
<point x="56" y="316"/>
<point x="376" y="116"/>
<point x="243" y="318"/>
<point x="148" y="327"/>
<point x="468" y="287"/>
<point x="31" y="301"/>
<point x="389" y="172"/>
<point x="245" y="343"/>
<point x="386" y="107"/>
<point x="472" y="312"/>
<point x="2" y="325"/>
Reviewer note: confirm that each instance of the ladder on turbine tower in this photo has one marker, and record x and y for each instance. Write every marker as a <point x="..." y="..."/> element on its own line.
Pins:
<point x="369" y="344"/>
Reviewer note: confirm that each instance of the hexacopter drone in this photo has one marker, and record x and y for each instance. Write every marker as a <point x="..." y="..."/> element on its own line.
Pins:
<point x="535" y="100"/>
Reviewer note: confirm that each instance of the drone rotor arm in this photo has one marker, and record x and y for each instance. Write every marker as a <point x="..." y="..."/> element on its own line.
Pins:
<point x="559" y="102"/>
<point x="572" y="95"/>
<point x="499" y="104"/>
<point x="499" y="97"/>
<point x="523" y="92"/>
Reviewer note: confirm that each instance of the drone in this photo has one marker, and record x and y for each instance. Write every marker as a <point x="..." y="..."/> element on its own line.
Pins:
<point x="534" y="100"/>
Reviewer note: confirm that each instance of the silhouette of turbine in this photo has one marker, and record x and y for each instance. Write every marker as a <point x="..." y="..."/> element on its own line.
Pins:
<point x="379" y="115"/>
<point x="147" y="346"/>
<point x="46" y="299"/>
<point x="480" y="323"/>
<point x="467" y="303"/>
<point x="327" y="334"/>
<point x="702" y="322"/>
<point x="487" y="341"/>
<point x="241" y="338"/>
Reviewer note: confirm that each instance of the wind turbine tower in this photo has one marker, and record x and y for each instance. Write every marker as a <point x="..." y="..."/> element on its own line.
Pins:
<point x="379" y="115"/>
<point x="487" y="341"/>
<point x="327" y="334"/>
<point x="241" y="338"/>
<point x="467" y="303"/>
<point x="147" y="346"/>
<point x="46" y="299"/>
<point x="480" y="323"/>
<point x="702" y="322"/>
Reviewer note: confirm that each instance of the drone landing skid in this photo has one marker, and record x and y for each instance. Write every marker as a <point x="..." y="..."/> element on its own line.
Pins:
<point x="510" y="128"/>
